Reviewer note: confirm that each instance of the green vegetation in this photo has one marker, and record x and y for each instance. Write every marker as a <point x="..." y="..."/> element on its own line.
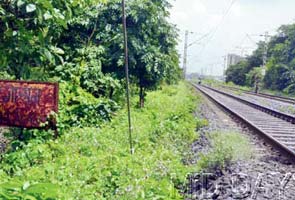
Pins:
<point x="80" y="45"/>
<point x="94" y="163"/>
<point x="238" y="73"/>
<point x="280" y="63"/>
<point x="227" y="147"/>
<point x="81" y="42"/>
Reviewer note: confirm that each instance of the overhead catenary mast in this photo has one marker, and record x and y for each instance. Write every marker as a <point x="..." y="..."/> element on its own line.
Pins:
<point x="224" y="65"/>
<point x="184" y="68"/>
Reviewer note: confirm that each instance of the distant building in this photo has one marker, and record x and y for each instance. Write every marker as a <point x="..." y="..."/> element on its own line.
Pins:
<point x="233" y="59"/>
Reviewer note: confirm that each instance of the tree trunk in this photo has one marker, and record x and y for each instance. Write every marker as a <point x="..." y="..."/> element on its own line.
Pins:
<point x="111" y="93"/>
<point x="141" y="97"/>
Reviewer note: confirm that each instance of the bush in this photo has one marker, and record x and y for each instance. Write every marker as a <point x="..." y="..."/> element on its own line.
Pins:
<point x="227" y="147"/>
<point x="81" y="109"/>
<point x="95" y="163"/>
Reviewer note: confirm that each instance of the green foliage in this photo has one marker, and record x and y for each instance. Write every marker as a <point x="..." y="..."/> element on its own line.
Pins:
<point x="254" y="76"/>
<point x="94" y="163"/>
<point x="290" y="89"/>
<point x="38" y="191"/>
<point x="237" y="73"/>
<point x="226" y="148"/>
<point x="82" y="109"/>
<point x="152" y="41"/>
<point x="30" y="33"/>
<point x="80" y="45"/>
<point x="82" y="42"/>
<point x="201" y="123"/>
<point x="280" y="74"/>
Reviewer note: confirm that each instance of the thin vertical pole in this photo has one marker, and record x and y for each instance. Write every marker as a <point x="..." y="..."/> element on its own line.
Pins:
<point x="127" y="75"/>
<point x="224" y="66"/>
<point x="185" y="53"/>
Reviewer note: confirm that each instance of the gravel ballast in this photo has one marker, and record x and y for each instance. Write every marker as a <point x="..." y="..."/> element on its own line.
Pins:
<point x="267" y="175"/>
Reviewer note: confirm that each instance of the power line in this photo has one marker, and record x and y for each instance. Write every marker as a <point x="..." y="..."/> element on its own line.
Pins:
<point x="186" y="46"/>
<point x="250" y="38"/>
<point x="224" y="16"/>
<point x="199" y="39"/>
<point x="209" y="36"/>
<point x="214" y="31"/>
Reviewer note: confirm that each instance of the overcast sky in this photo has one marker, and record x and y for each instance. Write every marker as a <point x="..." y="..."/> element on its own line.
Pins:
<point x="227" y="30"/>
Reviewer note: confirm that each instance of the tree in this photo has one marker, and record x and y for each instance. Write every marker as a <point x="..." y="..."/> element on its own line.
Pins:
<point x="81" y="42"/>
<point x="30" y="33"/>
<point x="280" y="74"/>
<point x="236" y="74"/>
<point x="152" y="43"/>
<point x="281" y="65"/>
<point x="254" y="78"/>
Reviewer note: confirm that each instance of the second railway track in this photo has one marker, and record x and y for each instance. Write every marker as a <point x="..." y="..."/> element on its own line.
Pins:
<point x="279" y="132"/>
<point x="264" y="95"/>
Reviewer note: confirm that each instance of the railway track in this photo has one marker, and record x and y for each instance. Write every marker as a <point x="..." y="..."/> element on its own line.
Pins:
<point x="269" y="96"/>
<point x="278" y="130"/>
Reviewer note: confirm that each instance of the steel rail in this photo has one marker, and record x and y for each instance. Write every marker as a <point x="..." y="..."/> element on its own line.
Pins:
<point x="275" y="113"/>
<point x="269" y="96"/>
<point x="280" y="139"/>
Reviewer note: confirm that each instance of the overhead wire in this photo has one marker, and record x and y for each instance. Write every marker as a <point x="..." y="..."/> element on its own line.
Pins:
<point x="214" y="31"/>
<point x="210" y="35"/>
<point x="199" y="39"/>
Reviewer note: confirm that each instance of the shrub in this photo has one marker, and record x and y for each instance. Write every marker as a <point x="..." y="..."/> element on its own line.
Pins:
<point x="226" y="147"/>
<point x="95" y="163"/>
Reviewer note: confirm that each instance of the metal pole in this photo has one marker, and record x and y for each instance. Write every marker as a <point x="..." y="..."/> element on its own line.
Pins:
<point x="127" y="75"/>
<point x="224" y="66"/>
<point x="185" y="53"/>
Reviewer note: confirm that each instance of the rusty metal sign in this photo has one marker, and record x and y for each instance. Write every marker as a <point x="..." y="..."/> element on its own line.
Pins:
<point x="27" y="104"/>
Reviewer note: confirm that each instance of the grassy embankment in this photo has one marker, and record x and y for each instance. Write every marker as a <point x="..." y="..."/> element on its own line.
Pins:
<point x="94" y="163"/>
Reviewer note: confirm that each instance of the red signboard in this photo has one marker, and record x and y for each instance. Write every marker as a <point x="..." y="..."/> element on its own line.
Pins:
<point x="27" y="104"/>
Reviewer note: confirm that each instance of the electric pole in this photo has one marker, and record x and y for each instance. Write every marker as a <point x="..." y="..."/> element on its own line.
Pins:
<point x="264" y="61"/>
<point x="185" y="54"/>
<point x="224" y="65"/>
<point x="186" y="46"/>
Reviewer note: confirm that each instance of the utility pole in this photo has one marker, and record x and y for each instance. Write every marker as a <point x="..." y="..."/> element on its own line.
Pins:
<point x="224" y="65"/>
<point x="264" y="61"/>
<point x="186" y="46"/>
<point x="185" y="54"/>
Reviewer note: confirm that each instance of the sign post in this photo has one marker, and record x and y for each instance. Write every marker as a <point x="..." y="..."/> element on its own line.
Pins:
<point x="27" y="104"/>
